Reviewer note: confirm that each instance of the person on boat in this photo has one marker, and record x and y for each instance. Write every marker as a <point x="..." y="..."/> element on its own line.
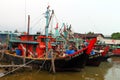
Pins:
<point x="74" y="47"/>
<point x="57" y="49"/>
<point x="85" y="43"/>
<point x="70" y="51"/>
<point x="60" y="50"/>
<point x="92" y="52"/>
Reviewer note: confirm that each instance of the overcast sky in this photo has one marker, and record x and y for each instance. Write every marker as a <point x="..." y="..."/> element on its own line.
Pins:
<point x="99" y="16"/>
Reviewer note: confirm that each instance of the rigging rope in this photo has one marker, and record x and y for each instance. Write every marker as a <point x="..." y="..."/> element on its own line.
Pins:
<point x="35" y="23"/>
<point x="49" y="53"/>
<point x="18" y="67"/>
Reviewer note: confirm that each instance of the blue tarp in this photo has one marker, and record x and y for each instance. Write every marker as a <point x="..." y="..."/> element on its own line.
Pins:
<point x="70" y="51"/>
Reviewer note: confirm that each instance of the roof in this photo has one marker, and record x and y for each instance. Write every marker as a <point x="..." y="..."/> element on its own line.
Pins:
<point x="88" y="35"/>
<point x="24" y="42"/>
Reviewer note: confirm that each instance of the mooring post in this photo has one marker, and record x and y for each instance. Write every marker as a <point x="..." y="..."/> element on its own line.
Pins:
<point x="53" y="62"/>
<point x="12" y="65"/>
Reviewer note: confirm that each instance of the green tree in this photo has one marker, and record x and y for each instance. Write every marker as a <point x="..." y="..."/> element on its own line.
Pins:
<point x="115" y="35"/>
<point x="16" y="31"/>
<point x="90" y="33"/>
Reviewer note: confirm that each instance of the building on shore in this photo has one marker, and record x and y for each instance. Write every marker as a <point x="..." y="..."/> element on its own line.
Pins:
<point x="100" y="37"/>
<point x="6" y="35"/>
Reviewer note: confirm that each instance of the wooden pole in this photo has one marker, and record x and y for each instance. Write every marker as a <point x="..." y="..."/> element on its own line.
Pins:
<point x="26" y="51"/>
<point x="53" y="62"/>
<point x="19" y="66"/>
<point x="28" y="24"/>
<point x="24" y="55"/>
<point x="12" y="65"/>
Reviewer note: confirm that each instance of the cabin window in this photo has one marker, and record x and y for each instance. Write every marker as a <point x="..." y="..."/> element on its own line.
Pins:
<point x="34" y="48"/>
<point x="35" y="37"/>
<point x="42" y="39"/>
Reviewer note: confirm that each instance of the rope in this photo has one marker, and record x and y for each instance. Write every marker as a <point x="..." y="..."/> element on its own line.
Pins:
<point x="42" y="65"/>
<point x="44" y="61"/>
<point x="18" y="67"/>
<point x="33" y="25"/>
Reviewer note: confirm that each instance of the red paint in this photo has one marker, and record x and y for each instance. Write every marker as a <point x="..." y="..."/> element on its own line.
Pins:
<point x="38" y="49"/>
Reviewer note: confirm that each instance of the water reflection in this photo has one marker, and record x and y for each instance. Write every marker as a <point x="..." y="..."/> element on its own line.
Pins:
<point x="89" y="73"/>
<point x="114" y="72"/>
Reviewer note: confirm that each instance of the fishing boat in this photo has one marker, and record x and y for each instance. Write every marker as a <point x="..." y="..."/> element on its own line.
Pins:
<point x="116" y="51"/>
<point x="39" y="51"/>
<point x="23" y="51"/>
<point x="98" y="55"/>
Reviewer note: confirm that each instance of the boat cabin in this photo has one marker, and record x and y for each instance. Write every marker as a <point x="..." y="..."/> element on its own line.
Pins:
<point x="31" y="45"/>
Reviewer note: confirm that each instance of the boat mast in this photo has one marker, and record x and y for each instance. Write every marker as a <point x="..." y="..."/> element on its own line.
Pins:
<point x="25" y="53"/>
<point x="28" y="24"/>
<point x="47" y="25"/>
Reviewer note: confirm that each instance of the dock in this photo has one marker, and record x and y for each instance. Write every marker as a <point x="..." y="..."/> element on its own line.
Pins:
<point x="8" y="66"/>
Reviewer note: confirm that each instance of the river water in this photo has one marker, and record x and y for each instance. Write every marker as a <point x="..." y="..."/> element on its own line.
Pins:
<point x="106" y="71"/>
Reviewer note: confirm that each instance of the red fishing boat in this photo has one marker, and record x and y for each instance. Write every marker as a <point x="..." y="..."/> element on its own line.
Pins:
<point x="98" y="55"/>
<point x="39" y="51"/>
<point x="116" y="51"/>
<point x="24" y="50"/>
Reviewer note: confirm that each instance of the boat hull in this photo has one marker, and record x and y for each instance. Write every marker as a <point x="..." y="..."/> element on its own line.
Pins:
<point x="94" y="60"/>
<point x="61" y="64"/>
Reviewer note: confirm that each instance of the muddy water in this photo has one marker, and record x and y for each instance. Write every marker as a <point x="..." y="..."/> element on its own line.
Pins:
<point x="106" y="71"/>
<point x="113" y="73"/>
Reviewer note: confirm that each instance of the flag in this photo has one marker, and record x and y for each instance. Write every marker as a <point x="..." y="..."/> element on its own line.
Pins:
<point x="106" y="49"/>
<point x="56" y="26"/>
<point x="64" y="28"/>
<point x="91" y="45"/>
<point x="56" y="31"/>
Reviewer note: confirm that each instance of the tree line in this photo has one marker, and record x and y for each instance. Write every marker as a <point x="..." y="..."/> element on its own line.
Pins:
<point x="115" y="35"/>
